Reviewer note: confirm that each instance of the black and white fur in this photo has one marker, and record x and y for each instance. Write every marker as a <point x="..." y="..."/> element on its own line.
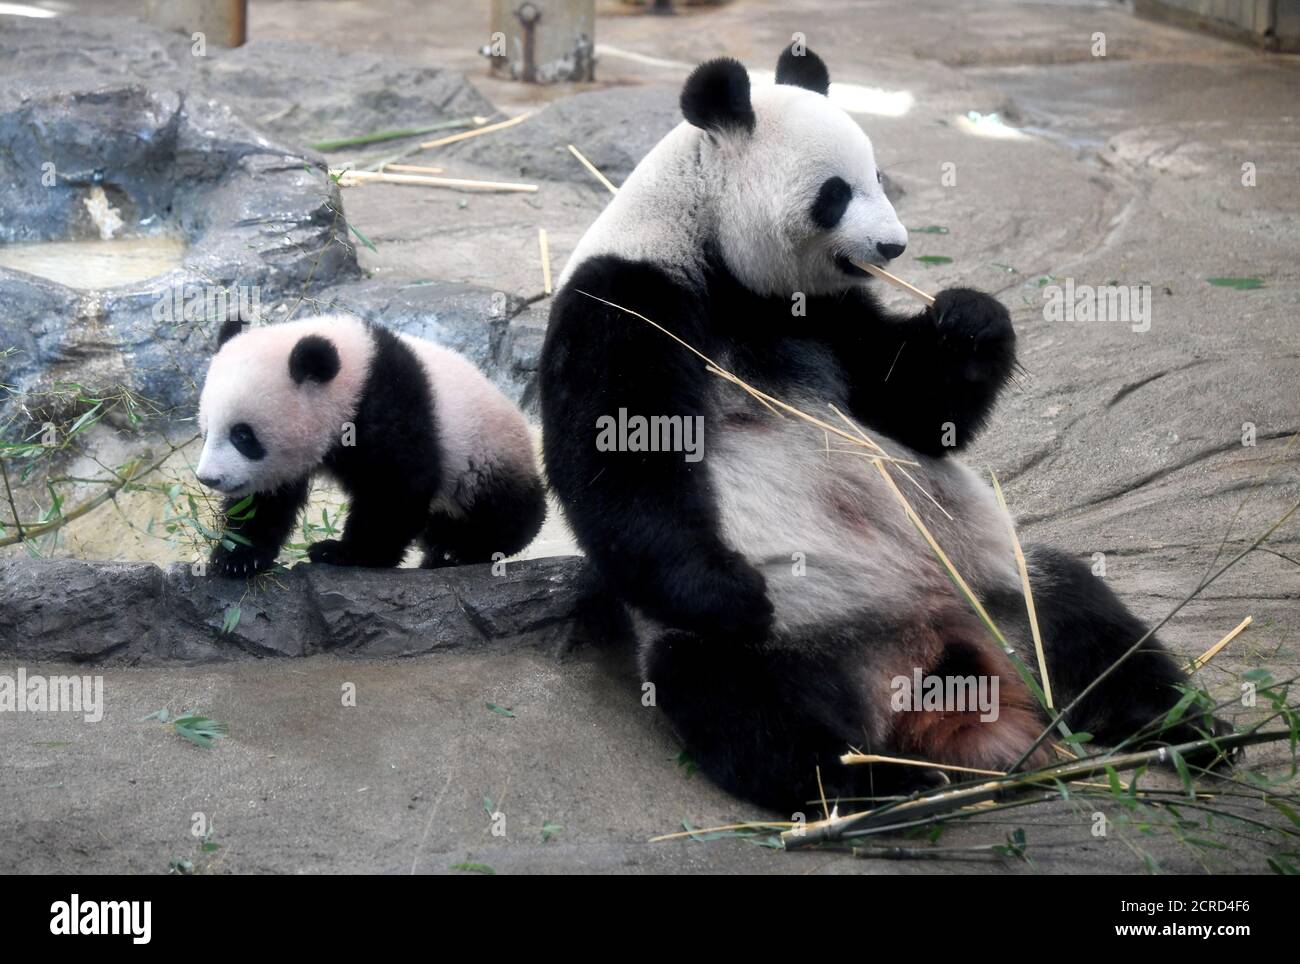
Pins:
<point x="423" y="444"/>
<point x="768" y="669"/>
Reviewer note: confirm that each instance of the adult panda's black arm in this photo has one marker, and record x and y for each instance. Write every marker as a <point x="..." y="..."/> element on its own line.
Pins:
<point x="264" y="525"/>
<point x="646" y="519"/>
<point x="928" y="380"/>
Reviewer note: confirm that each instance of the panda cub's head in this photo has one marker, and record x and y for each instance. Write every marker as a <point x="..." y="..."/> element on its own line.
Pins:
<point x="792" y="179"/>
<point x="276" y="400"/>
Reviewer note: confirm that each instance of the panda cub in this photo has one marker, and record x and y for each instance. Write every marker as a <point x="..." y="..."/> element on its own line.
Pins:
<point x="786" y="591"/>
<point x="423" y="444"/>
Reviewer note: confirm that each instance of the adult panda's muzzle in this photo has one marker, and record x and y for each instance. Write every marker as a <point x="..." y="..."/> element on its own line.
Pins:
<point x="878" y="237"/>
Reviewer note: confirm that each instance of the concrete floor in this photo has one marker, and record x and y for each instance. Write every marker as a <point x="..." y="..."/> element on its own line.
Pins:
<point x="1116" y="442"/>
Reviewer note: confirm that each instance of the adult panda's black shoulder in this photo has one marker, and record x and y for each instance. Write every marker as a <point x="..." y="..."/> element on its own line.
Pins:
<point x="786" y="591"/>
<point x="423" y="444"/>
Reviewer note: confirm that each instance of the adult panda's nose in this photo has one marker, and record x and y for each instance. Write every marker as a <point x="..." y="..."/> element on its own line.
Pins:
<point x="890" y="251"/>
<point x="211" y="481"/>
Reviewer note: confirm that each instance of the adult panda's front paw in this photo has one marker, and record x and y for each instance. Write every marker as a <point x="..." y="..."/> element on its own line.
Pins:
<point x="721" y="594"/>
<point x="242" y="560"/>
<point x="972" y="323"/>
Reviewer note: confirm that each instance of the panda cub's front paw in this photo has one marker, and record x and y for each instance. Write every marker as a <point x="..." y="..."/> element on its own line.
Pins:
<point x="332" y="552"/>
<point x="971" y="322"/>
<point x="241" y="560"/>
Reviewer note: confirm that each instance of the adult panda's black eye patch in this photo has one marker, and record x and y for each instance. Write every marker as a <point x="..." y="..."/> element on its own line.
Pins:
<point x="832" y="199"/>
<point x="245" y="441"/>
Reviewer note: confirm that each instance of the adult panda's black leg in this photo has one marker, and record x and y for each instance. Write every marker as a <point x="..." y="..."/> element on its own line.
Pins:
<point x="1085" y="628"/>
<point x="262" y="529"/>
<point x="503" y="517"/>
<point x="761" y="724"/>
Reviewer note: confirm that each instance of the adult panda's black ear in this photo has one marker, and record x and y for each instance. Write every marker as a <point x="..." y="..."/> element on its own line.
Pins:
<point x="314" y="358"/>
<point x="716" y="96"/>
<point x="800" y="67"/>
<point x="229" y="329"/>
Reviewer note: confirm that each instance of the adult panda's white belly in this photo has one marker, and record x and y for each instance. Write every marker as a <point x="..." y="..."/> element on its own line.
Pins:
<point x="828" y="534"/>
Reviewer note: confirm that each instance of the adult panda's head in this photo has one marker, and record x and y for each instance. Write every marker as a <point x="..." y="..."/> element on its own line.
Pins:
<point x="793" y="182"/>
<point x="276" y="399"/>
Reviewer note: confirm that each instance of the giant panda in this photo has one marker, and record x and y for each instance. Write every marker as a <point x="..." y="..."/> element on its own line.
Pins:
<point x="780" y="590"/>
<point x="423" y="444"/>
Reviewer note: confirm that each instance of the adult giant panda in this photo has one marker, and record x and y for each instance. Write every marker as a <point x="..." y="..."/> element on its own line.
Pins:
<point x="786" y="590"/>
<point x="425" y="446"/>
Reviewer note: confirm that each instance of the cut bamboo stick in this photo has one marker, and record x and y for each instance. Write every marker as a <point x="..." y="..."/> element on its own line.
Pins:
<point x="350" y="178"/>
<point x="465" y="135"/>
<point x="595" y="172"/>
<point x="1213" y="651"/>
<point x="545" y="250"/>
<point x="1029" y="594"/>
<point x="894" y="280"/>
<point x="849" y="759"/>
<point x="410" y="169"/>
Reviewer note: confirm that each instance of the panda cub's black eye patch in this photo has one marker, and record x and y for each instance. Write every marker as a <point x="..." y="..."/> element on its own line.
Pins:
<point x="244" y="439"/>
<point x="831" y="201"/>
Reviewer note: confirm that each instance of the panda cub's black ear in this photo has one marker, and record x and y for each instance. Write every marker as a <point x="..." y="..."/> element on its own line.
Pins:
<point x="229" y="329"/>
<point x="314" y="358"/>
<point x="716" y="96"/>
<point x="803" y="69"/>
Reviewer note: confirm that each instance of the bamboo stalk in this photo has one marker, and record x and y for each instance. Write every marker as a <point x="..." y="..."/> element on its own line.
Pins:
<point x="409" y="169"/>
<point x="544" y="249"/>
<point x="13" y="506"/>
<point x="1213" y="651"/>
<point x="465" y="135"/>
<point x="849" y="759"/>
<point x="748" y="825"/>
<point x="133" y="471"/>
<point x="1029" y="595"/>
<point x="379" y="137"/>
<point x="931" y="805"/>
<point x="894" y="280"/>
<point x="350" y="178"/>
<point x="595" y="172"/>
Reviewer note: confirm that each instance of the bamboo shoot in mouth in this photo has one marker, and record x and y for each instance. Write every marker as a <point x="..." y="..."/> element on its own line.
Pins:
<point x="894" y="280"/>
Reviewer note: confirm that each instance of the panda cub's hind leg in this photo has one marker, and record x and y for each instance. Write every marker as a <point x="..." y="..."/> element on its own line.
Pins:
<point x="380" y="526"/>
<point x="500" y="517"/>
